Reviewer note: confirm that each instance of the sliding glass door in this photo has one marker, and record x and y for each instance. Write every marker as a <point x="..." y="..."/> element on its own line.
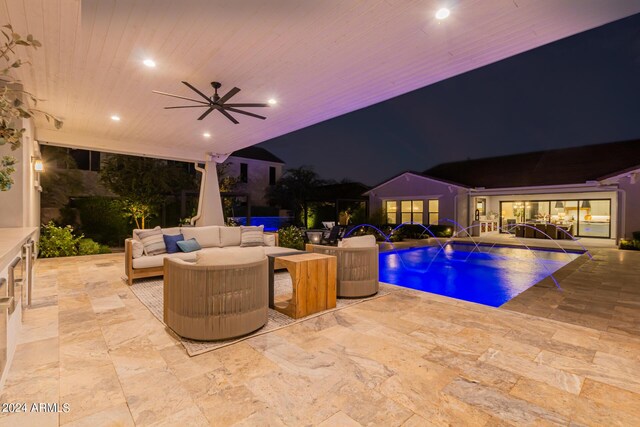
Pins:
<point x="583" y="217"/>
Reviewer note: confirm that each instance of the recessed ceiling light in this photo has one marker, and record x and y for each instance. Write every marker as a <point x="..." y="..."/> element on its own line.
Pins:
<point x="149" y="63"/>
<point x="206" y="135"/>
<point x="443" y="13"/>
<point x="272" y="101"/>
<point x="115" y="118"/>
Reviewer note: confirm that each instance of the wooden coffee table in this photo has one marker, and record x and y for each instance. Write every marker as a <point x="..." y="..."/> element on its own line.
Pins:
<point x="313" y="277"/>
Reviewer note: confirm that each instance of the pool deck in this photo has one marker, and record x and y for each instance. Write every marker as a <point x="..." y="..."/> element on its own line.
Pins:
<point x="568" y="356"/>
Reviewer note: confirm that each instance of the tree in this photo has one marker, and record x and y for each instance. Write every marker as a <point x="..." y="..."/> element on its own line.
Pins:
<point x="144" y="183"/>
<point x="293" y="189"/>
<point x="13" y="101"/>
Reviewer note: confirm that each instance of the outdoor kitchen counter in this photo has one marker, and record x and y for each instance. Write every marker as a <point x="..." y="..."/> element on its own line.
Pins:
<point x="11" y="241"/>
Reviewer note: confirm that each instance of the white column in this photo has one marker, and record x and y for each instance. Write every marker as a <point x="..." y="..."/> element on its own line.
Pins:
<point x="210" y="202"/>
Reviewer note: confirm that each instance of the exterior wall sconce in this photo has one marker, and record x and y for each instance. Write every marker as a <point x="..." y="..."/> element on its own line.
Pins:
<point x="38" y="165"/>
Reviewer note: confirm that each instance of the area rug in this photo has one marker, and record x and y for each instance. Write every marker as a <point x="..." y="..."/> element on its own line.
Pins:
<point x="150" y="294"/>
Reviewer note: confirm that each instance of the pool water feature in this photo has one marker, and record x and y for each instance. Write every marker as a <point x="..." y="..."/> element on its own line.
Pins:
<point x="489" y="275"/>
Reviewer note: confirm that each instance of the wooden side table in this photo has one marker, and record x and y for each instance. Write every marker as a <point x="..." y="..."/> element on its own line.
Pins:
<point x="313" y="277"/>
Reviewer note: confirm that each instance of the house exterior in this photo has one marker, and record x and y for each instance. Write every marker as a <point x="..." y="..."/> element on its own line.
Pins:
<point x="256" y="169"/>
<point x="590" y="191"/>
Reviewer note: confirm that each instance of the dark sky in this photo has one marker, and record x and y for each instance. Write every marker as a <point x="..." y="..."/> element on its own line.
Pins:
<point x="577" y="91"/>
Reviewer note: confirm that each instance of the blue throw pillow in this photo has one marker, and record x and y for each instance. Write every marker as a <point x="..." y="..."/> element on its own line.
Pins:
<point x="170" y="242"/>
<point x="189" y="245"/>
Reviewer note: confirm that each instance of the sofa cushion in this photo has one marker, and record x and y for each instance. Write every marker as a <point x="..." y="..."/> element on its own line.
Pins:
<point x="252" y="236"/>
<point x="207" y="237"/>
<point x="367" y="241"/>
<point x="137" y="249"/>
<point x="269" y="239"/>
<point x="158" y="260"/>
<point x="172" y="231"/>
<point x="152" y="241"/>
<point x="190" y="245"/>
<point x="170" y="242"/>
<point x="230" y="256"/>
<point x="230" y="236"/>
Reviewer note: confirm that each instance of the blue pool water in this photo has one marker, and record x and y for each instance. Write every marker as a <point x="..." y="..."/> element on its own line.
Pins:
<point x="489" y="276"/>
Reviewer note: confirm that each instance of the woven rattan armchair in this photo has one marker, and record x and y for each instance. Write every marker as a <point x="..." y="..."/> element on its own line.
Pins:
<point x="357" y="269"/>
<point x="215" y="302"/>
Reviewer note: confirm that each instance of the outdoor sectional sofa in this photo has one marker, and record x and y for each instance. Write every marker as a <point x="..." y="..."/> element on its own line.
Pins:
<point x="140" y="265"/>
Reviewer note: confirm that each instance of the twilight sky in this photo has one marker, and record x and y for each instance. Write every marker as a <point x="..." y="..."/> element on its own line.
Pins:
<point x="581" y="90"/>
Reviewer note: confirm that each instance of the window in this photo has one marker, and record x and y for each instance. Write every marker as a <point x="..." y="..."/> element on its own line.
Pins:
<point x="594" y="218"/>
<point x="412" y="211"/>
<point x="82" y="159"/>
<point x="244" y="172"/>
<point x="434" y="210"/>
<point x="272" y="175"/>
<point x="392" y="210"/>
<point x="586" y="218"/>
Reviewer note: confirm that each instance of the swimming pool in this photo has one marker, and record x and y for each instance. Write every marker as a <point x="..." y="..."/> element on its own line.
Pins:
<point x="485" y="275"/>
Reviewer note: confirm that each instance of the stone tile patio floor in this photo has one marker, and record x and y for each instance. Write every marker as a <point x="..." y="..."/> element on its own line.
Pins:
<point x="548" y="357"/>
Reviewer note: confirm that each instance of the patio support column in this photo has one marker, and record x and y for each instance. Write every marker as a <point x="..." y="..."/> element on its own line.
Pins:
<point x="210" y="201"/>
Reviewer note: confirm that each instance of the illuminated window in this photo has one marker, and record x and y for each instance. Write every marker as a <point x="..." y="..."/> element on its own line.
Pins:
<point x="434" y="207"/>
<point x="412" y="211"/>
<point x="392" y="209"/>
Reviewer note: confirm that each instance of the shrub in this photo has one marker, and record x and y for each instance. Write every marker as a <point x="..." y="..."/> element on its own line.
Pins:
<point x="102" y="220"/>
<point x="291" y="237"/>
<point x="57" y="241"/>
<point x="90" y="247"/>
<point x="636" y="235"/>
<point x="632" y="245"/>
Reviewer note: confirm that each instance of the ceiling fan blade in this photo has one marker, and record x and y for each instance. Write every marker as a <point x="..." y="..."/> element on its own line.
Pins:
<point x="206" y="113"/>
<point x="181" y="97"/>
<point x="186" y="106"/>
<point x="196" y="91"/>
<point x="246" y="113"/>
<point x="228" y="95"/>
<point x="228" y="116"/>
<point x="247" y="105"/>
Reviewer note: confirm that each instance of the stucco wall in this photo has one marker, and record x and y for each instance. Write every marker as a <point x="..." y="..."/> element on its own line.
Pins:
<point x="632" y="205"/>
<point x="413" y="187"/>
<point x="258" y="177"/>
<point x="21" y="204"/>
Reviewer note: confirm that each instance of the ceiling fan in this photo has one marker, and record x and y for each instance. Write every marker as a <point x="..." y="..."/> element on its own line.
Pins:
<point x="215" y="102"/>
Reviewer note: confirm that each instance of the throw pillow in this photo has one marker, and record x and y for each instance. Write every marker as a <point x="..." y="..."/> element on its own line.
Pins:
<point x="152" y="241"/>
<point x="269" y="239"/>
<point x="251" y="236"/>
<point x="170" y="242"/>
<point x="230" y="256"/>
<point x="190" y="245"/>
<point x="137" y="249"/>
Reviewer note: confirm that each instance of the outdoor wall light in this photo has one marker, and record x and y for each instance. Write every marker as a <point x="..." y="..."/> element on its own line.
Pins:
<point x="38" y="165"/>
<point x="149" y="63"/>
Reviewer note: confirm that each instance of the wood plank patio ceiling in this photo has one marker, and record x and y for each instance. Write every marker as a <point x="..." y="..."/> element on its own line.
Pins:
<point x="319" y="59"/>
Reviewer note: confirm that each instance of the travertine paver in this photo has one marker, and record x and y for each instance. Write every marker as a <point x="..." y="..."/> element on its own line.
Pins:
<point x="408" y="358"/>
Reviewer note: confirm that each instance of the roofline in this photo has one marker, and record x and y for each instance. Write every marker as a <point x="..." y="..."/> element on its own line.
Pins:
<point x="417" y="175"/>
<point x="620" y="174"/>
<point x="544" y="188"/>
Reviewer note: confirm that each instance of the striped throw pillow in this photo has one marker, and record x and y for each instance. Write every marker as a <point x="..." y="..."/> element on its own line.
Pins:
<point x="251" y="236"/>
<point x="153" y="241"/>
